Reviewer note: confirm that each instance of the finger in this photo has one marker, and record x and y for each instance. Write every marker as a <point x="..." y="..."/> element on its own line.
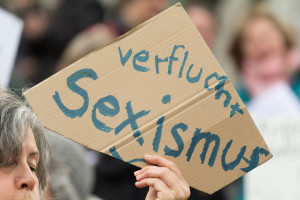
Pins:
<point x="156" y="183"/>
<point x="162" y="191"/>
<point x="174" y="183"/>
<point x="174" y="186"/>
<point x="163" y="173"/>
<point x="163" y="162"/>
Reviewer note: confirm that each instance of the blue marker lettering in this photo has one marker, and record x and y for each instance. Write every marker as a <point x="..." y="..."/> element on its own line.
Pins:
<point x="193" y="79"/>
<point x="173" y="58"/>
<point x="254" y="158"/>
<point x="125" y="58"/>
<point x="157" y="137"/>
<point x="139" y="139"/>
<point x="183" y="64"/>
<point x="157" y="61"/>
<point x="114" y="153"/>
<point x="222" y="80"/>
<point x="71" y="82"/>
<point x="235" y="108"/>
<point x="208" y="139"/>
<point x="233" y="164"/>
<point x="105" y="111"/>
<point x="175" y="153"/>
<point x="226" y="93"/>
<point x="219" y="87"/>
<point x="141" y="56"/>
<point x="136" y="160"/>
<point x="166" y="99"/>
<point x="131" y="120"/>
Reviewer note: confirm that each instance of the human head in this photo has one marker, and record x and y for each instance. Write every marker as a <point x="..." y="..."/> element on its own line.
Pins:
<point x="91" y="39"/>
<point x="204" y="22"/>
<point x="24" y="150"/>
<point x="135" y="12"/>
<point x="260" y="35"/>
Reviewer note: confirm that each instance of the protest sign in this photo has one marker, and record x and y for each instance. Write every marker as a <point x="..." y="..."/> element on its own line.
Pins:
<point x="11" y="28"/>
<point x="155" y="90"/>
<point x="280" y="178"/>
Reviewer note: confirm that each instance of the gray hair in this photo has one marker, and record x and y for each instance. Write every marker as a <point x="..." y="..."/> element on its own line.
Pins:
<point x="15" y="118"/>
<point x="71" y="178"/>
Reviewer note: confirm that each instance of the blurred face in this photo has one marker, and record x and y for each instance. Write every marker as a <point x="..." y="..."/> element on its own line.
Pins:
<point x="19" y="181"/>
<point x="17" y="5"/>
<point x="142" y="10"/>
<point x="149" y="8"/>
<point x="204" y="22"/>
<point x="261" y="39"/>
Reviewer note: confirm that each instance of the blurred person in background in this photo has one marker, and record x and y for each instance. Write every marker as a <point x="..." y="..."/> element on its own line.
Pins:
<point x="204" y="21"/>
<point x="71" y="178"/>
<point x="19" y="6"/>
<point x="265" y="53"/>
<point x="128" y="14"/>
<point x="46" y="34"/>
<point x="36" y="22"/>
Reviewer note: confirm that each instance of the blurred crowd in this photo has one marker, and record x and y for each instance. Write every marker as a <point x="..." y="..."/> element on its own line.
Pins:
<point x="57" y="33"/>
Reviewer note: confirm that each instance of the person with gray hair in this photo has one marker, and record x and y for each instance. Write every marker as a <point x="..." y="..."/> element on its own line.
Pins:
<point x="25" y="158"/>
<point x="24" y="151"/>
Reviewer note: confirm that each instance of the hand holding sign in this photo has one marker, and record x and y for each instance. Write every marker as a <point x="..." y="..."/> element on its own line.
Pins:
<point x="155" y="90"/>
<point x="164" y="179"/>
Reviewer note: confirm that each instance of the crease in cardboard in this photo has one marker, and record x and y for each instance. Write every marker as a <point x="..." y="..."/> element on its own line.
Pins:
<point x="189" y="101"/>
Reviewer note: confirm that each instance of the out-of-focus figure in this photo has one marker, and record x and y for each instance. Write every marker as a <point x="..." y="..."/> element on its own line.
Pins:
<point x="129" y="14"/>
<point x="266" y="56"/>
<point x="264" y="51"/>
<point x="46" y="34"/>
<point x="70" y="176"/>
<point x="204" y="21"/>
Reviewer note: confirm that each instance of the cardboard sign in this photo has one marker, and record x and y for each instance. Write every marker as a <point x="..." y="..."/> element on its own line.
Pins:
<point x="11" y="28"/>
<point x="155" y="90"/>
<point x="280" y="178"/>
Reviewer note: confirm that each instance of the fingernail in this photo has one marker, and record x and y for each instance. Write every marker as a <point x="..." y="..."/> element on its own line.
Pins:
<point x="137" y="172"/>
<point x="138" y="177"/>
<point x="147" y="156"/>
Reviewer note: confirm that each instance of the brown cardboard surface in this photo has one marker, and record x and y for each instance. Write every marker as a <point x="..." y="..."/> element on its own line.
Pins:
<point x="183" y="108"/>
